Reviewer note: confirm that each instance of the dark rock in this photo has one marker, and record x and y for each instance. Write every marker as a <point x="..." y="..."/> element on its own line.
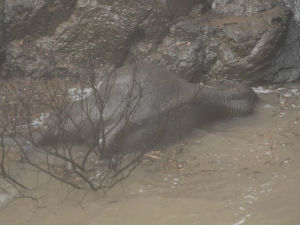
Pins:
<point x="181" y="8"/>
<point x="108" y="30"/>
<point x="189" y="50"/>
<point x="233" y="47"/>
<point x="249" y="43"/>
<point x="242" y="7"/>
<point x="198" y="39"/>
<point x="35" y="18"/>
<point x="286" y="65"/>
<point x="26" y="59"/>
<point x="294" y="6"/>
<point x="2" y="34"/>
<point x="99" y="29"/>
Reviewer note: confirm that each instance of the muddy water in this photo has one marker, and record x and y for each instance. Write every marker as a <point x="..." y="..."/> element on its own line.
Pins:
<point x="239" y="171"/>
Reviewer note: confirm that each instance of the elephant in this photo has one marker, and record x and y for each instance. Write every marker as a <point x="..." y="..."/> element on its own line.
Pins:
<point x="142" y="106"/>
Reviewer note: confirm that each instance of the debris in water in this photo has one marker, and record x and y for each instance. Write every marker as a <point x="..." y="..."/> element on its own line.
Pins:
<point x="251" y="197"/>
<point x="262" y="90"/>
<point x="77" y="94"/>
<point x="295" y="91"/>
<point x="41" y="120"/>
<point x="267" y="106"/>
<point x="243" y="220"/>
<point x="3" y="198"/>
<point x="287" y="95"/>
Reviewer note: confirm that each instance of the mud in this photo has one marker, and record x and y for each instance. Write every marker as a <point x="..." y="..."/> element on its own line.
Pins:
<point x="238" y="171"/>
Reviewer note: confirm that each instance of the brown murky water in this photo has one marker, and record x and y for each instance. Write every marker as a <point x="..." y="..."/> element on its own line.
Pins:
<point x="240" y="171"/>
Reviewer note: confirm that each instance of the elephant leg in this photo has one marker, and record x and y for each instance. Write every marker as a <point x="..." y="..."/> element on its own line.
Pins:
<point x="110" y="137"/>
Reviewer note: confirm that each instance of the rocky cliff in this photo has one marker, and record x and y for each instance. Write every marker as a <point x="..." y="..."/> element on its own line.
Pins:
<point x="248" y="40"/>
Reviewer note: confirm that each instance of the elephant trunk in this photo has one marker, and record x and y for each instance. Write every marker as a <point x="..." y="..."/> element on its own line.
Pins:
<point x="228" y="99"/>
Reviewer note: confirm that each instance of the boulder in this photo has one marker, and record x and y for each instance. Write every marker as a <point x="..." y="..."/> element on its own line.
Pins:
<point x="178" y="8"/>
<point x="198" y="39"/>
<point x="248" y="44"/>
<point x="26" y="21"/>
<point x="242" y="7"/>
<point x="220" y="46"/>
<point x="2" y="33"/>
<point x="35" y="18"/>
<point x="107" y="29"/>
<point x="286" y="65"/>
<point x="98" y="29"/>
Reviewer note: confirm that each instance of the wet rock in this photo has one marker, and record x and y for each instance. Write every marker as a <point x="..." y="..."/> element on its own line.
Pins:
<point x="249" y="43"/>
<point x="26" y="21"/>
<point x="107" y="29"/>
<point x="286" y="65"/>
<point x="181" y="8"/>
<point x="2" y="34"/>
<point x="187" y="50"/>
<point x="243" y="7"/>
<point x="294" y="6"/>
<point x="199" y="39"/>
<point x="27" y="59"/>
<point x="200" y="47"/>
<point x="35" y="18"/>
<point x="98" y="29"/>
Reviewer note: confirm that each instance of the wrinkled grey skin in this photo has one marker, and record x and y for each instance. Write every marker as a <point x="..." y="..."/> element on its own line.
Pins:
<point x="164" y="109"/>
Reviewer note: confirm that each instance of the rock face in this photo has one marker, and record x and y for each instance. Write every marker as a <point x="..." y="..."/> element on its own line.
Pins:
<point x="26" y="22"/>
<point x="242" y="7"/>
<point x="286" y="65"/>
<point x="230" y="47"/>
<point x="177" y="8"/>
<point x="2" y="33"/>
<point x="36" y="18"/>
<point x="244" y="40"/>
<point x="103" y="30"/>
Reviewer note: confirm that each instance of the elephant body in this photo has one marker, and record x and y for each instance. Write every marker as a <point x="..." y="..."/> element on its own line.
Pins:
<point x="142" y="106"/>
